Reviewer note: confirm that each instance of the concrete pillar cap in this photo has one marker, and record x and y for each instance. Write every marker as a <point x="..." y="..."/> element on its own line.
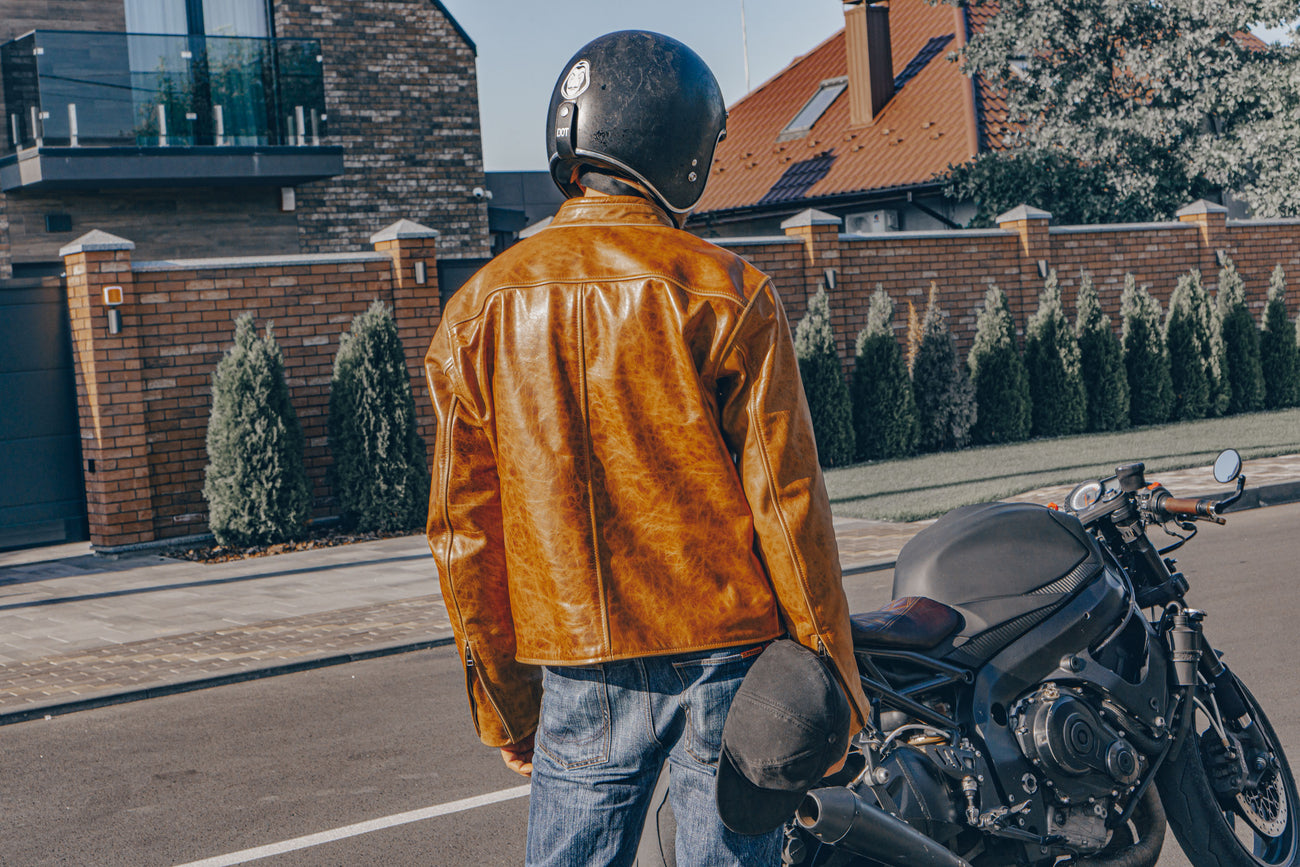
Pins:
<point x="1023" y="212"/>
<point x="1200" y="206"/>
<point x="96" y="241"/>
<point x="401" y="230"/>
<point x="811" y="217"/>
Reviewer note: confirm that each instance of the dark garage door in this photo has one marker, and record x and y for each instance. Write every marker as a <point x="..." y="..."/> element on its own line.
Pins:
<point x="42" y="499"/>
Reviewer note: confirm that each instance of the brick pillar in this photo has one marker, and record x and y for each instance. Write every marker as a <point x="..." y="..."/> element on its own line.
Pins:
<point x="1211" y="221"/>
<point x="110" y="392"/>
<point x="1031" y="225"/>
<point x="820" y="233"/>
<point x="417" y="305"/>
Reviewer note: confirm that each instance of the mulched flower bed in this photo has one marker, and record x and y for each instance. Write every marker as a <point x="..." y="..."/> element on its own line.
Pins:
<point x="327" y="538"/>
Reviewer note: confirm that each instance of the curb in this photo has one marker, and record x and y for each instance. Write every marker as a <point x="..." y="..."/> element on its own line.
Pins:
<point x="164" y="689"/>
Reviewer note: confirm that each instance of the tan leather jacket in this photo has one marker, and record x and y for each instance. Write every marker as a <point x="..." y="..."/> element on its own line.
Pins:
<point x="625" y="462"/>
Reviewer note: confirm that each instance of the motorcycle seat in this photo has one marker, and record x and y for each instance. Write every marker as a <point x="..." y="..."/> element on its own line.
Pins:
<point x="909" y="623"/>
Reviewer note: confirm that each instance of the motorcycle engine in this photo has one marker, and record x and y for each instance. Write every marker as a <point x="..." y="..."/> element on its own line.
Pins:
<point x="1084" y="763"/>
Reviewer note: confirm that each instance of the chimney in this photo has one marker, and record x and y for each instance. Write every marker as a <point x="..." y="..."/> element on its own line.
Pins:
<point x="871" y="65"/>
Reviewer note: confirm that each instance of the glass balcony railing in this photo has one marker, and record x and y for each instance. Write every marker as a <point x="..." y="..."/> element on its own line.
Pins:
<point x="82" y="89"/>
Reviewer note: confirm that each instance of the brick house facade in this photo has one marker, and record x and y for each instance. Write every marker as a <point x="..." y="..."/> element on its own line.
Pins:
<point x="400" y="138"/>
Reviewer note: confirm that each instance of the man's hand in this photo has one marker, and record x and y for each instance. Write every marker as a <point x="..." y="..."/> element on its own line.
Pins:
<point x="519" y="757"/>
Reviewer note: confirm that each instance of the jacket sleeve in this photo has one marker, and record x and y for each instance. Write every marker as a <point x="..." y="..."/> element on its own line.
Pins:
<point x="766" y="421"/>
<point x="467" y="538"/>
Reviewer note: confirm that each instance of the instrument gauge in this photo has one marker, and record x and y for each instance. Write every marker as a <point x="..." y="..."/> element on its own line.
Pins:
<point x="1084" y="496"/>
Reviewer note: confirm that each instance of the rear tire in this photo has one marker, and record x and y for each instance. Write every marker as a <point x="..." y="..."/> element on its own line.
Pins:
<point x="1259" y="827"/>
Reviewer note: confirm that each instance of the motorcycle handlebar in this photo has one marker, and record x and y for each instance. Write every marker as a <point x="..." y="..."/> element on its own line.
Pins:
<point x="1177" y="506"/>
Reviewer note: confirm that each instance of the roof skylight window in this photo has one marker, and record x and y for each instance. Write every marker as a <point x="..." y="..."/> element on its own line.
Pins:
<point x="827" y="92"/>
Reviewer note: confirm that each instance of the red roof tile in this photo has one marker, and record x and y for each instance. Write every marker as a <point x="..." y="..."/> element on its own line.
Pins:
<point x="929" y="124"/>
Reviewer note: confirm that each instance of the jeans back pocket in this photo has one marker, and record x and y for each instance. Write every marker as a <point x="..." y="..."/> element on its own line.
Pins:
<point x="574" y="729"/>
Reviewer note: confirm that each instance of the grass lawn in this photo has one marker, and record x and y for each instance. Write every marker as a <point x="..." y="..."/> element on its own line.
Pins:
<point x="929" y="485"/>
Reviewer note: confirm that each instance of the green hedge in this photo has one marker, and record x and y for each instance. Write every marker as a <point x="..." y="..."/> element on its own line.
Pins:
<point x="945" y="398"/>
<point x="1101" y="362"/>
<point x="884" y="409"/>
<point x="380" y="473"/>
<point x="1146" y="362"/>
<point x="255" y="483"/>
<point x="998" y="375"/>
<point x="823" y="383"/>
<point x="1278" y="350"/>
<point x="1052" y="359"/>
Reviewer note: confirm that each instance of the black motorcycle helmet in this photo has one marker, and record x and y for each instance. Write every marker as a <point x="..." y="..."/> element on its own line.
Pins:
<point x="639" y="105"/>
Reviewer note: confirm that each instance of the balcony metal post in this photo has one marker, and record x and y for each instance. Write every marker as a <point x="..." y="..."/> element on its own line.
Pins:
<point x="302" y="125"/>
<point x="315" y="128"/>
<point x="72" y="125"/>
<point x="162" y="125"/>
<point x="13" y="123"/>
<point x="36" y="126"/>
<point x="219" y="118"/>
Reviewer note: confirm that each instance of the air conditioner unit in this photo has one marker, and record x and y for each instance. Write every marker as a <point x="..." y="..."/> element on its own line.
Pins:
<point x="871" y="222"/>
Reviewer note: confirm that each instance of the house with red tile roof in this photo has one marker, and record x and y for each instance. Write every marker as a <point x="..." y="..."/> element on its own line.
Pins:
<point x="863" y="127"/>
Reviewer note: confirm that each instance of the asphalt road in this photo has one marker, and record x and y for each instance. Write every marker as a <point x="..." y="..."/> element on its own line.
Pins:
<point x="181" y="779"/>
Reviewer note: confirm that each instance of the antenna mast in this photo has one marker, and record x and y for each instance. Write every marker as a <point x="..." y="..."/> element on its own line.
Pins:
<point x="744" y="41"/>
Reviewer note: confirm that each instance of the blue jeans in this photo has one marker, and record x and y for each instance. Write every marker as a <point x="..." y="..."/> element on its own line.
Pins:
<point x="605" y="732"/>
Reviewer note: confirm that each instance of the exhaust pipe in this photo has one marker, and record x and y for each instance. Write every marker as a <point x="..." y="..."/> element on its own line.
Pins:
<point x="837" y="816"/>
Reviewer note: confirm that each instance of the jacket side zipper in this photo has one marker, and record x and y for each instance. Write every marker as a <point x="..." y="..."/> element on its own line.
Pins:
<point x="470" y="677"/>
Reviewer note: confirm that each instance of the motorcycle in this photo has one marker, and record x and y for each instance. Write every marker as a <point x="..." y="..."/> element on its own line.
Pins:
<point x="1025" y="709"/>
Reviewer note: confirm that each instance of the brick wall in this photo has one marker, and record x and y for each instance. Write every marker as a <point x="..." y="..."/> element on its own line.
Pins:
<point x="145" y="394"/>
<point x="962" y="262"/>
<point x="401" y="96"/>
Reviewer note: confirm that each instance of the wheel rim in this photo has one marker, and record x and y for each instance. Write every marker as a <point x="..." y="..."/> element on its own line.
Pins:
<point x="1265" y="807"/>
<point x="1262" y="818"/>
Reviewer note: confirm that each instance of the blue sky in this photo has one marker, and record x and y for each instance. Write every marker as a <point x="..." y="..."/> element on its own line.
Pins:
<point x="522" y="46"/>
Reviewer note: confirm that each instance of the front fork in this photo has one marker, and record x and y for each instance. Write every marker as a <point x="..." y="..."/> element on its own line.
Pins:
<point x="1200" y="671"/>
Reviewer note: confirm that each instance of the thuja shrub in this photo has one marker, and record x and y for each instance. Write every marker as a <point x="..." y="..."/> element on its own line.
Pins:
<point x="1187" y="340"/>
<point x="1146" y="363"/>
<point x="380" y="473"/>
<point x="884" y="409"/>
<point x="1101" y="362"/>
<point x="1242" y="376"/>
<point x="1056" y="390"/>
<point x="823" y="383"/>
<point x="945" y="398"/>
<point x="255" y="482"/>
<point x="1279" y="354"/>
<point x="998" y="374"/>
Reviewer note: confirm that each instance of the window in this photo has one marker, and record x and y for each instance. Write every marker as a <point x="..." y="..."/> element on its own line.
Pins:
<point x="827" y="92"/>
<point x="198" y="17"/>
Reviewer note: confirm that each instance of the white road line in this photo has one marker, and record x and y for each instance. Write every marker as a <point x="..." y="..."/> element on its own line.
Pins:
<point x="359" y="828"/>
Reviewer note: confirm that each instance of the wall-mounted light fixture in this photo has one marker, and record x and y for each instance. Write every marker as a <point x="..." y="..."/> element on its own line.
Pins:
<point x="1043" y="269"/>
<point x="1221" y="256"/>
<point x="113" y="299"/>
<point x="831" y="277"/>
<point x="420" y="273"/>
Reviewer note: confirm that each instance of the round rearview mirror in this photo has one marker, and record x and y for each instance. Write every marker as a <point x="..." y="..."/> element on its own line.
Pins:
<point x="1227" y="466"/>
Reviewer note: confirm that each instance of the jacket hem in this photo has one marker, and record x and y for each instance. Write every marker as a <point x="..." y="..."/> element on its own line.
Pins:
<point x="666" y="651"/>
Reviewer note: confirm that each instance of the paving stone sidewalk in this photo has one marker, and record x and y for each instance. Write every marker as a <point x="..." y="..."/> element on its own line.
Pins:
<point x="78" y="630"/>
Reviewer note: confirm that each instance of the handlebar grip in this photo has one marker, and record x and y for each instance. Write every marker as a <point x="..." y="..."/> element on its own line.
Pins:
<point x="1202" y="508"/>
